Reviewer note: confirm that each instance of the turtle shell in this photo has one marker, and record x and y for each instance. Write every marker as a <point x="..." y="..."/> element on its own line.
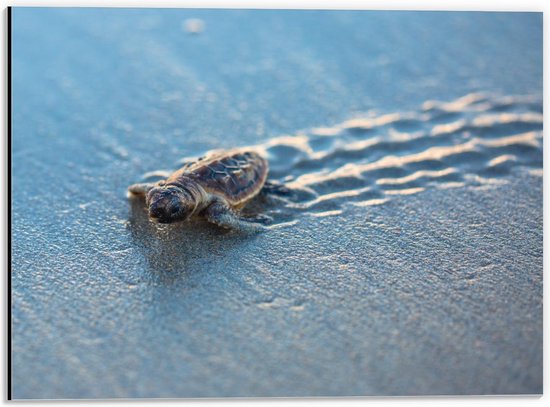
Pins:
<point x="236" y="175"/>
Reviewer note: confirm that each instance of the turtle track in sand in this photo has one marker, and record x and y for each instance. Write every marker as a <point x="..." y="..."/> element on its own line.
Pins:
<point x="476" y="140"/>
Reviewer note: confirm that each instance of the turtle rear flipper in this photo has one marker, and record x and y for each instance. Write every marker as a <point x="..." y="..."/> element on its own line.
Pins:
<point x="275" y="188"/>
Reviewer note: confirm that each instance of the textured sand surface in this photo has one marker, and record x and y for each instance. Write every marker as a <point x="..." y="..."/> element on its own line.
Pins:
<point x="408" y="261"/>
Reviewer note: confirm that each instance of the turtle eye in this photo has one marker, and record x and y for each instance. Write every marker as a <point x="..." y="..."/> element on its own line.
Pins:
<point x="174" y="209"/>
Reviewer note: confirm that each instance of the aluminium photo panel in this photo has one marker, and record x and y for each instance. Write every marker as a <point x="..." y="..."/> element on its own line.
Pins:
<point x="274" y="203"/>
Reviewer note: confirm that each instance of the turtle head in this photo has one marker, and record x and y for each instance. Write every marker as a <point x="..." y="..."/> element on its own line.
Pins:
<point x="170" y="203"/>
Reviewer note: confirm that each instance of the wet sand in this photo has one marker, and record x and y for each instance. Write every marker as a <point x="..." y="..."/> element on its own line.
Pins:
<point x="407" y="261"/>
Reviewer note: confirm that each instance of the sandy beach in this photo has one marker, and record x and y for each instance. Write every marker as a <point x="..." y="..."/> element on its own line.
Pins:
<point x="407" y="261"/>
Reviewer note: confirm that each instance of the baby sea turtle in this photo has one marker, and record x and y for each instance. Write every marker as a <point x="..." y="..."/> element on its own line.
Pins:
<point x="215" y="187"/>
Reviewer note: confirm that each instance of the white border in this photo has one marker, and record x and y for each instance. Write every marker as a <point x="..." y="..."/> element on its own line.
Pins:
<point x="463" y="5"/>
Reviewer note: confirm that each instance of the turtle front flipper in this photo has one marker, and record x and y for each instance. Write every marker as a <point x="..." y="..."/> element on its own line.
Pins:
<point x="140" y="189"/>
<point x="220" y="213"/>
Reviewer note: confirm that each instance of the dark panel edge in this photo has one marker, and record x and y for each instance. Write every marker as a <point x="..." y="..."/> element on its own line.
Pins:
<point x="8" y="152"/>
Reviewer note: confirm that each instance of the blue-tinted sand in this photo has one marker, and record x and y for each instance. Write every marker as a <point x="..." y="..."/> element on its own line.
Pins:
<point x="407" y="261"/>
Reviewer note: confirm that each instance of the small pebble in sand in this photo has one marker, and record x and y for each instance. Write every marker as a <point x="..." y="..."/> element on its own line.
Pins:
<point x="193" y="25"/>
